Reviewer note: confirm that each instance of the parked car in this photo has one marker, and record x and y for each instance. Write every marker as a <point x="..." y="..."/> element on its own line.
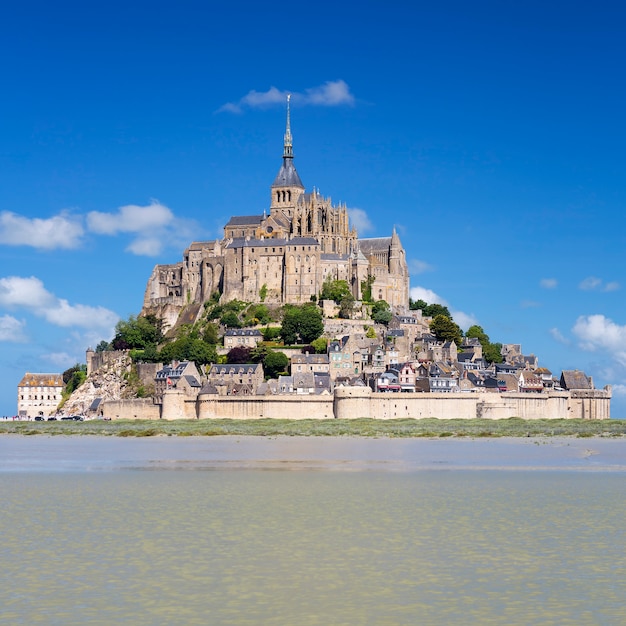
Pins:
<point x="52" y="418"/>
<point x="40" y="418"/>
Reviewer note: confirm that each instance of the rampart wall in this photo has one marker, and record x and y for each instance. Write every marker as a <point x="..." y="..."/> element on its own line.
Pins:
<point x="358" y="402"/>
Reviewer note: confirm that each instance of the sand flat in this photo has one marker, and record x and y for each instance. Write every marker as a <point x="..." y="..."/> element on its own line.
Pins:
<point x="95" y="453"/>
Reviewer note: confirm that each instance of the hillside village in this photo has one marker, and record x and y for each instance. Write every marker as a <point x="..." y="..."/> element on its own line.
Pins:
<point x="292" y="304"/>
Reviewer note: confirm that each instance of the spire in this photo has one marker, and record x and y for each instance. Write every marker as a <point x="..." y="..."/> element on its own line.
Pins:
<point x="287" y="175"/>
<point x="288" y="149"/>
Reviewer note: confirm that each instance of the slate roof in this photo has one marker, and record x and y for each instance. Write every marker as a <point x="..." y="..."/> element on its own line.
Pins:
<point x="575" y="379"/>
<point x="245" y="220"/>
<point x="243" y="332"/>
<point x="287" y="175"/>
<point x="375" y="244"/>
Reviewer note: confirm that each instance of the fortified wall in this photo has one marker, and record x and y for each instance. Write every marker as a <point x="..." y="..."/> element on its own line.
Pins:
<point x="358" y="402"/>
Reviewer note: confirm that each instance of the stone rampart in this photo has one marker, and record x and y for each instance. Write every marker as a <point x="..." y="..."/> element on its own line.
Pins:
<point x="358" y="402"/>
<point x="135" y="409"/>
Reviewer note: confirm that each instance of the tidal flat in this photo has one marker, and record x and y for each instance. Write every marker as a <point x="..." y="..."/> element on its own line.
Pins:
<point x="366" y="427"/>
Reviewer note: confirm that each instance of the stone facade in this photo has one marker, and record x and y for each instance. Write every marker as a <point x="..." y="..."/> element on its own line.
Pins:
<point x="282" y="256"/>
<point x="39" y="394"/>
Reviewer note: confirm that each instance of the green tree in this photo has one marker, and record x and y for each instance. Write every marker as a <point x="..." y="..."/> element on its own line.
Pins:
<point x="230" y="319"/>
<point x="263" y="292"/>
<point x="274" y="364"/>
<point x="73" y="378"/>
<point x="103" y="346"/>
<point x="429" y="310"/>
<point x="320" y="345"/>
<point x="137" y="332"/>
<point x="491" y="351"/>
<point x="302" y="323"/>
<point x="445" y="329"/>
<point x="381" y="312"/>
<point x="334" y="290"/>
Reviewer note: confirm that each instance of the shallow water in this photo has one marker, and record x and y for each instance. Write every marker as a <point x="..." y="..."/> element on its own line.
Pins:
<point x="259" y="546"/>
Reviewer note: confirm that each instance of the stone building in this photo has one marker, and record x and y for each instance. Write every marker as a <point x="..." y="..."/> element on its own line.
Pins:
<point x="282" y="255"/>
<point x="39" y="394"/>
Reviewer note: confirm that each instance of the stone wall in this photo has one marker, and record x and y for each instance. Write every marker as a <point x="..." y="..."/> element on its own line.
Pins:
<point x="136" y="409"/>
<point x="357" y="402"/>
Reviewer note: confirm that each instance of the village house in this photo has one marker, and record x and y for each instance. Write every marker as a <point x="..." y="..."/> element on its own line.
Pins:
<point x="183" y="376"/>
<point x="242" y="337"/>
<point x="239" y="379"/>
<point x="309" y="363"/>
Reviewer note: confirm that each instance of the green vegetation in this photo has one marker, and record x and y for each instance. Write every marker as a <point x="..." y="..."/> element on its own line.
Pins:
<point x="302" y="323"/>
<point x="334" y="290"/>
<point x="513" y="427"/>
<point x="381" y="312"/>
<point x="491" y="351"/>
<point x="366" y="289"/>
<point x="445" y="329"/>
<point x="429" y="310"/>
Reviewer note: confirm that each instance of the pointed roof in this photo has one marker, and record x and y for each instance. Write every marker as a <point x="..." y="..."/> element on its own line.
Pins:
<point x="287" y="175"/>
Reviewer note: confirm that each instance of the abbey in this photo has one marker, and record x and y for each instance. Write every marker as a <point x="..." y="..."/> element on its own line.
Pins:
<point x="283" y="255"/>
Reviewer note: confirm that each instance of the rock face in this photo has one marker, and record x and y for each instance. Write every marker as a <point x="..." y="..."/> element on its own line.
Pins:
<point x="109" y="382"/>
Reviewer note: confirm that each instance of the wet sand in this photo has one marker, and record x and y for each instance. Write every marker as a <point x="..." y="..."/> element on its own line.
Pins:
<point x="59" y="453"/>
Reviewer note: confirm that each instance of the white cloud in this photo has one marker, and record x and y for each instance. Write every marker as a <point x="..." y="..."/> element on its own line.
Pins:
<point x="360" y="220"/>
<point x="62" y="360"/>
<point x="130" y="219"/>
<point x="11" y="329"/>
<point x="427" y="295"/>
<point x="548" y="283"/>
<point x="619" y="390"/>
<point x="419" y="267"/>
<point x="530" y="304"/>
<point x="155" y="226"/>
<point x="593" y="283"/>
<point x="331" y="93"/>
<point x="59" y="232"/>
<point x="558" y="336"/>
<point x="464" y="320"/>
<point x="599" y="333"/>
<point x="30" y="293"/>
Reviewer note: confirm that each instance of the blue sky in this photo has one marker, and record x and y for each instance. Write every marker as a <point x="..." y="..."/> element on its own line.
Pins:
<point x="490" y="134"/>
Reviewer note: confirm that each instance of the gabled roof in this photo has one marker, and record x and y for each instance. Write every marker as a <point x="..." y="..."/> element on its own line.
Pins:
<point x="245" y="220"/>
<point x="575" y="379"/>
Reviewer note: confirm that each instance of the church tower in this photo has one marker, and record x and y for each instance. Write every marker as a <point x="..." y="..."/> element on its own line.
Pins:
<point x="287" y="186"/>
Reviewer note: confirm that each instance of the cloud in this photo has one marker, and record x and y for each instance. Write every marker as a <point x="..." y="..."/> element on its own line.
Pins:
<point x="427" y="295"/>
<point x="599" y="333"/>
<point x="593" y="283"/>
<point x="12" y="329"/>
<point x="464" y="320"/>
<point x="530" y="304"/>
<point x="548" y="283"/>
<point x="130" y="219"/>
<point x="59" y="232"/>
<point x="330" y="94"/>
<point x="558" y="336"/>
<point x="419" y="267"/>
<point x="155" y="226"/>
<point x="30" y="294"/>
<point x="360" y="220"/>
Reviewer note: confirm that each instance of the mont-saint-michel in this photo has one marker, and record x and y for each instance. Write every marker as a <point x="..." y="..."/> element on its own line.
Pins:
<point x="292" y="315"/>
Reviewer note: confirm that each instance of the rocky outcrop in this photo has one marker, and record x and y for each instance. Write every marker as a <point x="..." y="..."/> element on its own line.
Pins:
<point x="109" y="382"/>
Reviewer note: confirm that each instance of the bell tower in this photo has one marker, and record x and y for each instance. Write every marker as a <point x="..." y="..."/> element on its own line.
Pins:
<point x="287" y="186"/>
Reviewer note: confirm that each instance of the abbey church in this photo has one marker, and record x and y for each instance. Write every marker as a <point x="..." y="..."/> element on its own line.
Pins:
<point x="283" y="255"/>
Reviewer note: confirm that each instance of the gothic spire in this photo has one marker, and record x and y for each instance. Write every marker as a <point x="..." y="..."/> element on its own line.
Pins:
<point x="287" y="175"/>
<point x="288" y="145"/>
